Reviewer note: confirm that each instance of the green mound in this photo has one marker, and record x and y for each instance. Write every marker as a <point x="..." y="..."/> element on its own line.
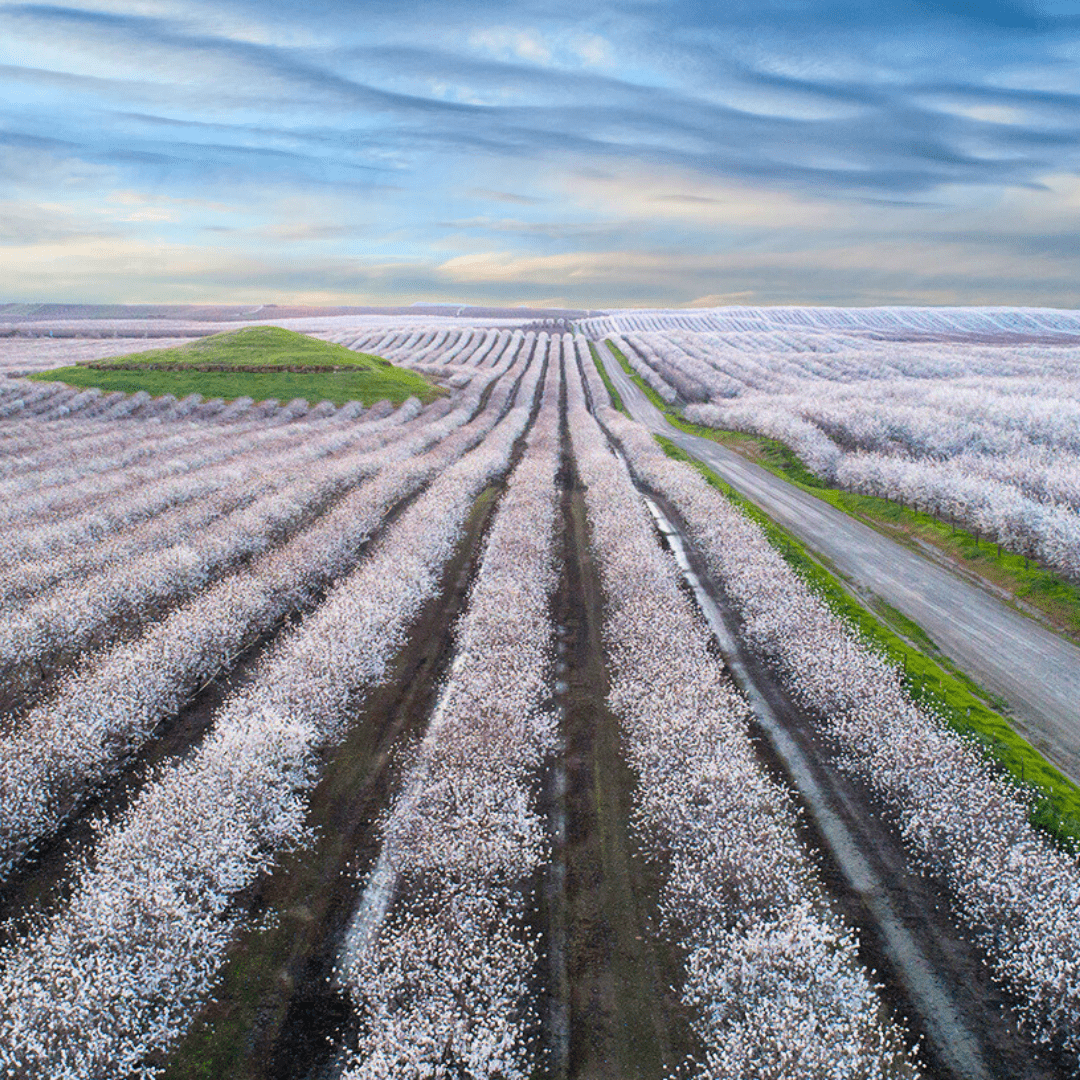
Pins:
<point x="260" y="362"/>
<point x="253" y="347"/>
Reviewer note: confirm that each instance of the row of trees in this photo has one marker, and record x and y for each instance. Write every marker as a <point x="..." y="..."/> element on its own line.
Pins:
<point x="68" y="617"/>
<point x="895" y="322"/>
<point x="197" y="514"/>
<point x="436" y="347"/>
<point x="1015" y="893"/>
<point x="115" y="973"/>
<point x="84" y="507"/>
<point x="81" y="544"/>
<point x="43" y="461"/>
<point x="439" y="957"/>
<point x="56" y="401"/>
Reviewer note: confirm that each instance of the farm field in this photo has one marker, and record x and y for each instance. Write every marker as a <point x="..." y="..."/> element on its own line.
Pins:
<point x="23" y="355"/>
<point x="474" y="735"/>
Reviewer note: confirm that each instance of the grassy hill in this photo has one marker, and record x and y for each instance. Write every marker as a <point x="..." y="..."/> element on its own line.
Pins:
<point x="259" y="362"/>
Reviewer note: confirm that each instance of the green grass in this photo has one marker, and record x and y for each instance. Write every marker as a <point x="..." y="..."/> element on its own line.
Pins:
<point x="1048" y="593"/>
<point x="613" y="394"/>
<point x="254" y="346"/>
<point x="929" y="677"/>
<point x="771" y="454"/>
<point x="364" y="378"/>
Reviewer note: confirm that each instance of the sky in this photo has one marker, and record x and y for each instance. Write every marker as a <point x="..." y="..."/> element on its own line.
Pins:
<point x="582" y="154"/>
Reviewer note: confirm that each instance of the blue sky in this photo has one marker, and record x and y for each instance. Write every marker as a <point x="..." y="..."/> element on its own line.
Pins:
<point x="585" y="154"/>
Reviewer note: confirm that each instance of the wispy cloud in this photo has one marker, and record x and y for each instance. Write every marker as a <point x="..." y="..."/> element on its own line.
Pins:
<point x="628" y="152"/>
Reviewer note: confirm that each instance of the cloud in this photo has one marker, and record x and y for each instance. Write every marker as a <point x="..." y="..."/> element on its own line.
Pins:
<point x="747" y="296"/>
<point x="697" y="198"/>
<point x="592" y="49"/>
<point x="626" y="150"/>
<point x="751" y="120"/>
<point x="488" y="195"/>
<point x="926" y="264"/>
<point x="568" y="268"/>
<point x="24" y="223"/>
<point x="506" y="42"/>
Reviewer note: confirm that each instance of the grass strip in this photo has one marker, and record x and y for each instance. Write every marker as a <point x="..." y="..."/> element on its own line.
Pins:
<point x="1018" y="575"/>
<point x="616" y="398"/>
<point x="641" y="384"/>
<point x="932" y="682"/>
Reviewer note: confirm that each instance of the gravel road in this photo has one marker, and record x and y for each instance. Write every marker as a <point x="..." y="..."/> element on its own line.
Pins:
<point x="1034" y="670"/>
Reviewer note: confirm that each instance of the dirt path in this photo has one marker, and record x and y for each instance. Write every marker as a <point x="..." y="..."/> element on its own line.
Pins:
<point x="613" y="1015"/>
<point x="931" y="973"/>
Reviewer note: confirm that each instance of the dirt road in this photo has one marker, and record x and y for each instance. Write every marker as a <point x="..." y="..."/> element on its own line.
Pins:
<point x="1034" y="670"/>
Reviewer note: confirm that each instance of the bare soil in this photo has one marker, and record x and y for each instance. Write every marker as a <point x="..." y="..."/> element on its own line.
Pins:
<point x="614" y="1011"/>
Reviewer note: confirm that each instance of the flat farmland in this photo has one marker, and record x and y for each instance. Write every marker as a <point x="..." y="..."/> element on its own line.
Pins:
<point x="485" y="735"/>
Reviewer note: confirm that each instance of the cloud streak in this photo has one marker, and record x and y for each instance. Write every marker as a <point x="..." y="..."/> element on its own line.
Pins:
<point x="683" y="138"/>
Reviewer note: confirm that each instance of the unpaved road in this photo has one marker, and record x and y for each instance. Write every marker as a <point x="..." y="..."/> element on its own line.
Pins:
<point x="1033" y="669"/>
